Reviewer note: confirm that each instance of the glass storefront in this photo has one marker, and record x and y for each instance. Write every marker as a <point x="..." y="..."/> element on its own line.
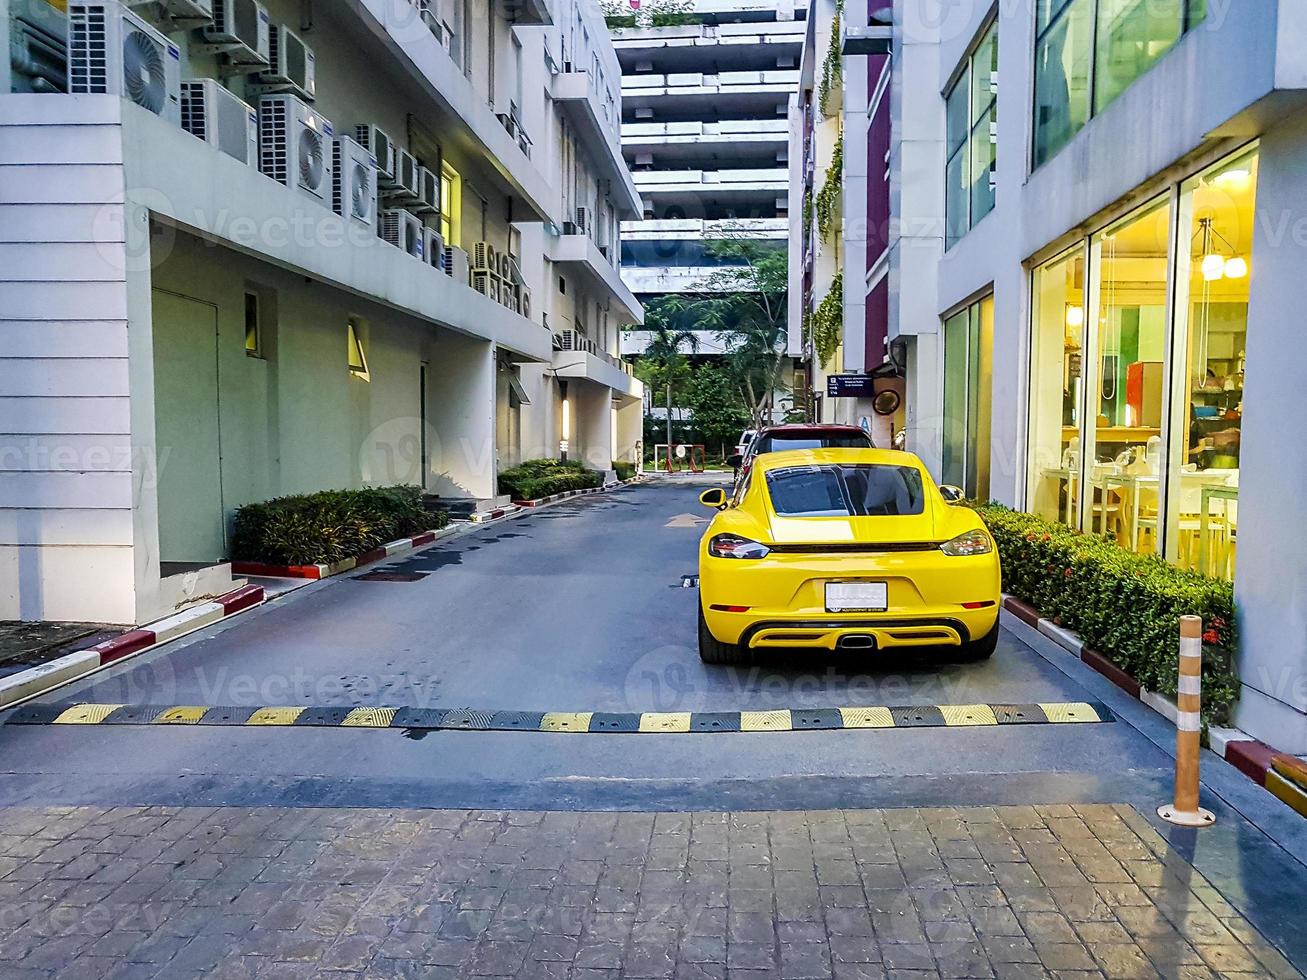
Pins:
<point x="1212" y="289"/>
<point x="1056" y="386"/>
<point x="968" y="372"/>
<point x="1087" y="52"/>
<point x="1136" y="373"/>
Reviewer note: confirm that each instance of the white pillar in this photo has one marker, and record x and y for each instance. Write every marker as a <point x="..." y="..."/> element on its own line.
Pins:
<point x="1271" y="566"/>
<point x="461" y="400"/>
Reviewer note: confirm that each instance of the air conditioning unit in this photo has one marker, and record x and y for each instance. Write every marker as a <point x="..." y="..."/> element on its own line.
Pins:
<point x="505" y="265"/>
<point x="569" y="228"/>
<point x="242" y="31"/>
<point x="200" y="11"/>
<point x="484" y="282"/>
<point x="292" y="66"/>
<point x="354" y="182"/>
<point x="295" y="145"/>
<point x="215" y="115"/>
<point x="435" y="248"/>
<point x="112" y="51"/>
<point x="485" y="258"/>
<point x="382" y="149"/>
<point x="525" y="308"/>
<point x="403" y="229"/>
<point x="405" y="190"/>
<point x="582" y="219"/>
<point x="428" y="192"/>
<point x="456" y="263"/>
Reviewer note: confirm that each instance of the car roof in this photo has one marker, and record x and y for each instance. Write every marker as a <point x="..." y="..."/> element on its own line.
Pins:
<point x="817" y="457"/>
<point x="810" y="428"/>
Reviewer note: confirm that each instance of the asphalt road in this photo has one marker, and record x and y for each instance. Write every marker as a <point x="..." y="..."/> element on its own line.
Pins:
<point x="577" y="607"/>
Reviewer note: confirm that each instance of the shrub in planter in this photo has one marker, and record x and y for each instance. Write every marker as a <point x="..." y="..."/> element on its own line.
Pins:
<point x="624" y="471"/>
<point x="326" y="527"/>
<point x="1125" y="606"/>
<point x="538" y="478"/>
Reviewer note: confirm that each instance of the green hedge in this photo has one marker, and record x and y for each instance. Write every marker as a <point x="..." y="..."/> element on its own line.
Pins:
<point x="1125" y="606"/>
<point x="325" y="527"/>
<point x="538" y="478"/>
<point x="624" y="471"/>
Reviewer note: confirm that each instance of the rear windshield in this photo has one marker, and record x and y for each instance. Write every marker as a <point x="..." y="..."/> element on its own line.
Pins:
<point x="843" y="440"/>
<point x="846" y="491"/>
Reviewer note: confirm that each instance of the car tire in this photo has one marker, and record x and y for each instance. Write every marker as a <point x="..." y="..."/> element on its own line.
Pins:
<point x="714" y="651"/>
<point x="983" y="648"/>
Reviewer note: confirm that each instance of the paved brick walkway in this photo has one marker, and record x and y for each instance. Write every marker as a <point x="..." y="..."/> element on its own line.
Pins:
<point x="1085" y="891"/>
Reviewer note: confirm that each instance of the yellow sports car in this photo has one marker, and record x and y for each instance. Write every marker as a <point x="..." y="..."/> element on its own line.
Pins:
<point x="844" y="549"/>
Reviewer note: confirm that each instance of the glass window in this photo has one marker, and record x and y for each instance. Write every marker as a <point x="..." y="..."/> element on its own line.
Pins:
<point x="451" y="204"/>
<point x="1087" y="52"/>
<point x="1132" y="35"/>
<point x="1122" y="437"/>
<point x="971" y="114"/>
<point x="1056" y="385"/>
<point x="781" y="443"/>
<point x="1217" y="210"/>
<point x="1062" y="78"/>
<point x="968" y="343"/>
<point x="846" y="491"/>
<point x="357" y="355"/>
<point x="253" y="345"/>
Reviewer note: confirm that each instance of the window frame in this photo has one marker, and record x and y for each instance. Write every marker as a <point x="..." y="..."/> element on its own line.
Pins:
<point x="355" y="341"/>
<point x="963" y="81"/>
<point x="451" y="205"/>
<point x="257" y="349"/>
<point x="1190" y="13"/>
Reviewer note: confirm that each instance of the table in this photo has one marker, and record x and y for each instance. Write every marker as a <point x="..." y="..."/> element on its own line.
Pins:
<point x="1204" y="512"/>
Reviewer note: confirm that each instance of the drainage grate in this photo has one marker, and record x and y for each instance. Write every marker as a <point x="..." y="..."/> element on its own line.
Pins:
<point x="391" y="577"/>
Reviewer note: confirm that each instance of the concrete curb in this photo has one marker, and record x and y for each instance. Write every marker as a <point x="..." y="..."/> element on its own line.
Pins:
<point x="30" y="683"/>
<point x="1254" y="759"/>
<point x="348" y="564"/>
<point x="555" y="497"/>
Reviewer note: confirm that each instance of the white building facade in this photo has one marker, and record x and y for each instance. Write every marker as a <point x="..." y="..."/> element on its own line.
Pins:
<point x="705" y="133"/>
<point x="1094" y="273"/>
<point x="293" y="248"/>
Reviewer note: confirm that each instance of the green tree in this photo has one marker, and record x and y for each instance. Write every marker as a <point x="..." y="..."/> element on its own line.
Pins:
<point x="744" y="304"/>
<point x="663" y="366"/>
<point x="712" y="395"/>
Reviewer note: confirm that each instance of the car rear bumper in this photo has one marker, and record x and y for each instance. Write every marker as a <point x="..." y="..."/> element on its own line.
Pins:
<point x="780" y="600"/>
<point x="851" y="633"/>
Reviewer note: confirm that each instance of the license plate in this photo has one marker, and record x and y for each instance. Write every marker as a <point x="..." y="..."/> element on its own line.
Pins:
<point x="857" y="596"/>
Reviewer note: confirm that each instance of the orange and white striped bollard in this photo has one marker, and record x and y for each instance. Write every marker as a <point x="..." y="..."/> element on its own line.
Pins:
<point x="1185" y="811"/>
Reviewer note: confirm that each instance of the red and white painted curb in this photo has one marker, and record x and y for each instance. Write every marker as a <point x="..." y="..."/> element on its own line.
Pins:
<point x="326" y="571"/>
<point x="1254" y="759"/>
<point x="37" y="680"/>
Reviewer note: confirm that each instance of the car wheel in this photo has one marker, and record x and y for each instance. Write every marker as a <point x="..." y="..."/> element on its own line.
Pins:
<point x="983" y="648"/>
<point x="714" y="651"/>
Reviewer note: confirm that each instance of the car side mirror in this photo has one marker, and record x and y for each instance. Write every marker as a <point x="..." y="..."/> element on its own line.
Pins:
<point x="734" y="460"/>
<point x="714" y="498"/>
<point x="952" y="494"/>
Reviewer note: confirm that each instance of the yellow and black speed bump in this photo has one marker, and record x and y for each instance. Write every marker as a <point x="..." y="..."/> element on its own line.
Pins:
<point x="593" y="722"/>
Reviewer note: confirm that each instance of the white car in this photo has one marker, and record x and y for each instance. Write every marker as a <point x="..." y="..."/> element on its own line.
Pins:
<point x="746" y="437"/>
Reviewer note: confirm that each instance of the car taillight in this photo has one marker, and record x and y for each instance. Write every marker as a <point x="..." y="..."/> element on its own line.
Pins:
<point x="970" y="543"/>
<point x="734" y="546"/>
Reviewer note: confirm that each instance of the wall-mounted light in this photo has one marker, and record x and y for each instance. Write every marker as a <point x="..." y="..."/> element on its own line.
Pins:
<point x="567" y="422"/>
<point x="1075" y="316"/>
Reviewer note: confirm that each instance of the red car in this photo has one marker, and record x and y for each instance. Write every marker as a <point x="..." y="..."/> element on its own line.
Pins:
<point x="778" y="438"/>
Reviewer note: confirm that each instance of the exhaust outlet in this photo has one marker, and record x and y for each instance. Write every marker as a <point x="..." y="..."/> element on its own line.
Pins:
<point x="856" y="641"/>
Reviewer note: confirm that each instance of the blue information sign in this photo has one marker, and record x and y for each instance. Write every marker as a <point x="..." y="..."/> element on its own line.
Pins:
<point x="849" y="386"/>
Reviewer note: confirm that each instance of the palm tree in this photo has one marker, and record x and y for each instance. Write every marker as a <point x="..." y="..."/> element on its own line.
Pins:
<point x="665" y="320"/>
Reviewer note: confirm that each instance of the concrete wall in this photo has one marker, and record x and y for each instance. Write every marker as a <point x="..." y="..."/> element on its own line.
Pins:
<point x="71" y="469"/>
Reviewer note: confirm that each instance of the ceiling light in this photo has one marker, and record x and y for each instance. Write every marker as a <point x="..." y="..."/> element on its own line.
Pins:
<point x="1236" y="268"/>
